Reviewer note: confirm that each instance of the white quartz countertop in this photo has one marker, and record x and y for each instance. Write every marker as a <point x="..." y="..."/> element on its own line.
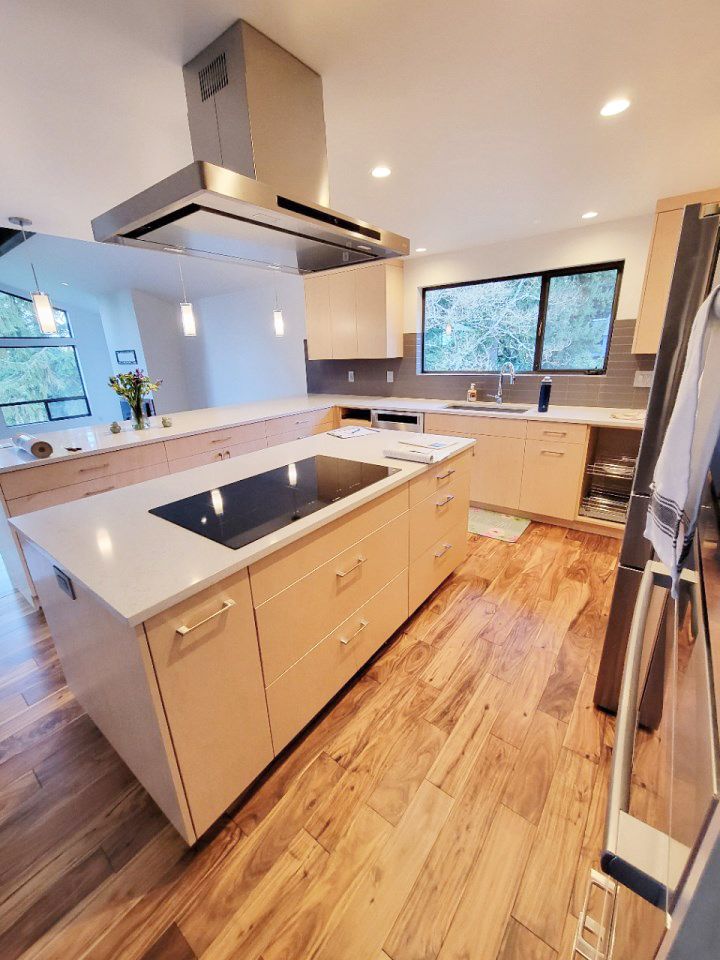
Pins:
<point x="98" y="439"/>
<point x="139" y="564"/>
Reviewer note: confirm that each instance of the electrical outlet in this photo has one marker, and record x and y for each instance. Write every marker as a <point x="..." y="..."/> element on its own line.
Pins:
<point x="643" y="378"/>
<point x="390" y="376"/>
<point x="351" y="376"/>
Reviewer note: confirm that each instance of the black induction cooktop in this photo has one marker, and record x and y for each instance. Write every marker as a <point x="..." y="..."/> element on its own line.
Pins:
<point x="244" y="511"/>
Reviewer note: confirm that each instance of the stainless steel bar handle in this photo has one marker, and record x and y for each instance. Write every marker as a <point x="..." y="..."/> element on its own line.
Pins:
<point x="100" y="466"/>
<point x="359" y="562"/>
<point x="654" y="575"/>
<point x="448" y="499"/>
<point x="444" y="476"/>
<point x="91" y="493"/>
<point x="444" y="549"/>
<point x="226" y="604"/>
<point x="221" y="440"/>
<point x="363" y="624"/>
<point x="553" y="453"/>
<point x="554" y="433"/>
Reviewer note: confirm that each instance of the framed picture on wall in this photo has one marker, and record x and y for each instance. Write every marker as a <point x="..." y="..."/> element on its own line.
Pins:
<point x="124" y="357"/>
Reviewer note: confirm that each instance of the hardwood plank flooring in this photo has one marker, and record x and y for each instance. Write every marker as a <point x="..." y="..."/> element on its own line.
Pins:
<point x="413" y="819"/>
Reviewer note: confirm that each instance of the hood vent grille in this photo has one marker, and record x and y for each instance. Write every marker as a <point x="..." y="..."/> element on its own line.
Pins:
<point x="213" y="77"/>
<point x="325" y="216"/>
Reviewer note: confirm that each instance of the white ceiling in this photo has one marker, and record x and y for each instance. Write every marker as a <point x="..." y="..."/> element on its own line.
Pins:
<point x="486" y="111"/>
<point x="75" y="273"/>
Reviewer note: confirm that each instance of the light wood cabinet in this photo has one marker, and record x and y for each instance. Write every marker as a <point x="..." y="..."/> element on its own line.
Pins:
<point x="355" y="312"/>
<point x="497" y="471"/>
<point x="552" y="474"/>
<point x="296" y="696"/>
<point x="206" y="660"/>
<point x="437" y="563"/>
<point x="660" y="265"/>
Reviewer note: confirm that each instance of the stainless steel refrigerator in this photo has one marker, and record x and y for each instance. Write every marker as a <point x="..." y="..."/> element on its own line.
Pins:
<point x="695" y="273"/>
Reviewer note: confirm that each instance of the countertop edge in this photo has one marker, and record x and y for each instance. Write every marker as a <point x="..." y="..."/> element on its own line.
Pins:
<point x="134" y="617"/>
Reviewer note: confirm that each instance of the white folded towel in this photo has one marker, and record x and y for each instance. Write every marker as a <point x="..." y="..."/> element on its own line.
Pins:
<point x="688" y="446"/>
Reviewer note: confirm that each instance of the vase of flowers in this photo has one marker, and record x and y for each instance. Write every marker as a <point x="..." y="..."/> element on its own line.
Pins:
<point x="133" y="387"/>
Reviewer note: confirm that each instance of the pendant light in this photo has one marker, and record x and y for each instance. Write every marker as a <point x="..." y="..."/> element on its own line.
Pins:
<point x="278" y="321"/>
<point x="44" y="313"/>
<point x="187" y="314"/>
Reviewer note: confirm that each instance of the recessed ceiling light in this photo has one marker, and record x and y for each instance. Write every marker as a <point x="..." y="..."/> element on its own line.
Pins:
<point x="64" y="283"/>
<point x="613" y="107"/>
<point x="420" y="249"/>
<point x="381" y="171"/>
<point x="590" y="215"/>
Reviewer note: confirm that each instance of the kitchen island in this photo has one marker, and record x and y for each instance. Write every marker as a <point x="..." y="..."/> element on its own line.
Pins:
<point x="200" y="662"/>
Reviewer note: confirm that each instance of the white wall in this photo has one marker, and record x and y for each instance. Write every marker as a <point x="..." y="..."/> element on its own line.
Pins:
<point x="121" y="327"/>
<point x="236" y="356"/>
<point x="94" y="359"/>
<point x="627" y="240"/>
<point x="163" y="346"/>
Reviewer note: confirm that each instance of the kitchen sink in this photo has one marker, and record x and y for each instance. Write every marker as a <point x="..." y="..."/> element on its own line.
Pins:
<point x="481" y="407"/>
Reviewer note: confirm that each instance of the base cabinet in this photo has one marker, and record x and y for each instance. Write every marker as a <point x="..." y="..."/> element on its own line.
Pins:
<point x="206" y="660"/>
<point x="551" y="478"/>
<point x="200" y="698"/>
<point x="497" y="471"/>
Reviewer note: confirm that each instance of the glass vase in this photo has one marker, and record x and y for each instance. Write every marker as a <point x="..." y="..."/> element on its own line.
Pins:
<point x="139" y="421"/>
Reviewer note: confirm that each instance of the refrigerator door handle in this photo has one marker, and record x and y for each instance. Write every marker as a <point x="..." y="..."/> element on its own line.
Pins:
<point x="636" y="854"/>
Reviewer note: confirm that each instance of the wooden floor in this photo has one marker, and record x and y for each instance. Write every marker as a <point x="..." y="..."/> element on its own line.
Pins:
<point x="449" y="804"/>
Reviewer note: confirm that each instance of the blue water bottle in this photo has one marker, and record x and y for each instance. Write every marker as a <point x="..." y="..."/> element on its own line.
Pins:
<point x="544" y="398"/>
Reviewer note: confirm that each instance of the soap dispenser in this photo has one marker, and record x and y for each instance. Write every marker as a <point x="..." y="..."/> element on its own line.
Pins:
<point x="472" y="392"/>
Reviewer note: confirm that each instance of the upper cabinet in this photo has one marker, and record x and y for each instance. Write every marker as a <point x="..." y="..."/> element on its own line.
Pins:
<point x="355" y="313"/>
<point x="660" y="265"/>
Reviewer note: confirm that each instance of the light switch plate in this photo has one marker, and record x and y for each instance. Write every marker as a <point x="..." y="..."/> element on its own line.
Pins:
<point x="351" y="376"/>
<point x="643" y="378"/>
<point x="390" y="376"/>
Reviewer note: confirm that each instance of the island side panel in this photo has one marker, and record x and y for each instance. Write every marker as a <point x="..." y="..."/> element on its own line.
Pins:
<point x="108" y="667"/>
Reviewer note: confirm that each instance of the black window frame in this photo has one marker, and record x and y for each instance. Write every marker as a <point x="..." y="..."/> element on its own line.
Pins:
<point x="40" y="336"/>
<point x="36" y="343"/>
<point x="545" y="277"/>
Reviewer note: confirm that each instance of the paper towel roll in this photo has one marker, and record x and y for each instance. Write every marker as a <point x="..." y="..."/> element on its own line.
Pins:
<point x="33" y="446"/>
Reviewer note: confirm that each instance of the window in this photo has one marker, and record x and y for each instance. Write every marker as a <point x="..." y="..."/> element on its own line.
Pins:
<point x="556" y="321"/>
<point x="40" y="380"/>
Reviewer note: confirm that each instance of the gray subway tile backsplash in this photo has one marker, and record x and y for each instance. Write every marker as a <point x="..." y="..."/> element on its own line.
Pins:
<point x="614" y="389"/>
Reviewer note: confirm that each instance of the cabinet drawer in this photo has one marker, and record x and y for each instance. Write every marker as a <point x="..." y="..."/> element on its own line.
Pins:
<point x="51" y="498"/>
<point x="298" y="421"/>
<point x="432" y="567"/>
<point x="551" y="478"/>
<point x="475" y="425"/>
<point x="438" y="477"/>
<point x="562" y="432"/>
<point x="296" y="696"/>
<point x="438" y="513"/>
<point x="292" y="622"/>
<point x="274" y="573"/>
<point x="298" y="433"/>
<point x="213" y="440"/>
<point x="212" y="456"/>
<point x="497" y="471"/>
<point x="212" y="692"/>
<point x="50" y="476"/>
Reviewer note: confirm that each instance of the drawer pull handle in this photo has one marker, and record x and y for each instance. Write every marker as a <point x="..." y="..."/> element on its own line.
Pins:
<point x="91" y="493"/>
<point x="358" y="563"/>
<point x="226" y="604"/>
<point x="443" y="503"/>
<point x="100" y="466"/>
<point x="444" y="476"/>
<point x="443" y="550"/>
<point x="553" y="453"/>
<point x="221" y="440"/>
<point x="363" y="624"/>
<point x="554" y="433"/>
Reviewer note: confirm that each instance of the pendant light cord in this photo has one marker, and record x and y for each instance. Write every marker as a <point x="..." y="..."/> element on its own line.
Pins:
<point x="182" y="279"/>
<point x="32" y="265"/>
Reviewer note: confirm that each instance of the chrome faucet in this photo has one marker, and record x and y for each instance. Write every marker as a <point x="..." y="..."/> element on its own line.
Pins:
<point x="506" y="368"/>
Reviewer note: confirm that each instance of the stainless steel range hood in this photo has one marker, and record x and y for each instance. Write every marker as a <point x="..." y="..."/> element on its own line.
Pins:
<point x="257" y="192"/>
